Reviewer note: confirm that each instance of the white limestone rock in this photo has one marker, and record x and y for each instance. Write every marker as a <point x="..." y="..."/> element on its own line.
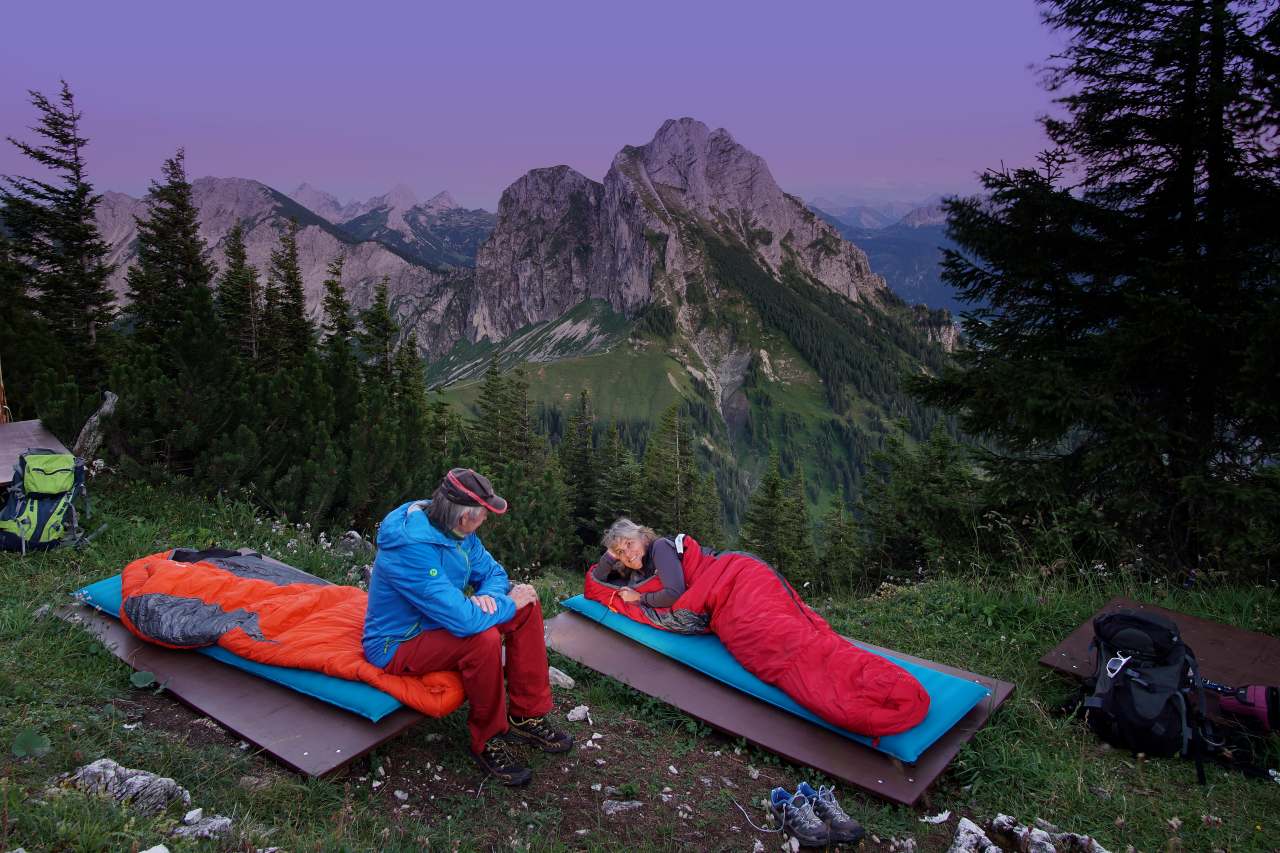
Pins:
<point x="613" y="807"/>
<point x="142" y="790"/>
<point x="559" y="679"/>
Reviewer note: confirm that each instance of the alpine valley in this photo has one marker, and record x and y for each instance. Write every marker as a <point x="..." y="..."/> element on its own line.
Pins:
<point x="685" y="276"/>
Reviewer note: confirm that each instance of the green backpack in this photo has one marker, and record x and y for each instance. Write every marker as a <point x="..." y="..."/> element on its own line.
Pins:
<point x="40" y="512"/>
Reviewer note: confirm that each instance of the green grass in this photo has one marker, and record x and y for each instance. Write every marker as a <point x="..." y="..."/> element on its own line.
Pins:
<point x="625" y="383"/>
<point x="58" y="681"/>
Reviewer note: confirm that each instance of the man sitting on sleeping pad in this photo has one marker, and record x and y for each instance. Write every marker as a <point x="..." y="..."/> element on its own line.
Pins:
<point x="420" y="620"/>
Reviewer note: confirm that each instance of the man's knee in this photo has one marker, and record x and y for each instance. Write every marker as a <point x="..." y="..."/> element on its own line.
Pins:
<point x="488" y="641"/>
<point x="530" y="613"/>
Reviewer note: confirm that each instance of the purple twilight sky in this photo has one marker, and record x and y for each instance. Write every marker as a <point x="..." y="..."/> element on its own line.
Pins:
<point x="856" y="99"/>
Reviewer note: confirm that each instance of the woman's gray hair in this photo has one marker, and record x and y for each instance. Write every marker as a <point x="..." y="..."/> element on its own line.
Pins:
<point x="446" y="514"/>
<point x="625" y="528"/>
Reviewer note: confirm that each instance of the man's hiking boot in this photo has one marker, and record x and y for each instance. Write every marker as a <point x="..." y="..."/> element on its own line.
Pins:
<point x="497" y="760"/>
<point x="796" y="818"/>
<point x="843" y="829"/>
<point x="535" y="731"/>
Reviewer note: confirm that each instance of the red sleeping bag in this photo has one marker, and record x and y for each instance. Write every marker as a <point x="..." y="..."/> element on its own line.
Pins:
<point x="763" y="623"/>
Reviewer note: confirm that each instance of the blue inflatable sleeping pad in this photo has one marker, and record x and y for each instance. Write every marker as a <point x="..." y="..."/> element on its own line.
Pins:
<point x="950" y="697"/>
<point x="354" y="696"/>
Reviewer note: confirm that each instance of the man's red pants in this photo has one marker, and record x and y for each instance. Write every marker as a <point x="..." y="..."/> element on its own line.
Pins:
<point x="479" y="660"/>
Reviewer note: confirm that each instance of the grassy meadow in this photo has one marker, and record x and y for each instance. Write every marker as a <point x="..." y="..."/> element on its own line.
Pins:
<point x="58" y="682"/>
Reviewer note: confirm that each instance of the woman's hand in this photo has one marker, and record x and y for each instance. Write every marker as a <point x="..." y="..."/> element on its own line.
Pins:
<point x="629" y="595"/>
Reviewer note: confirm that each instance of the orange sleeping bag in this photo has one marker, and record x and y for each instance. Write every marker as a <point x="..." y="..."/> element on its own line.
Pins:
<point x="266" y="611"/>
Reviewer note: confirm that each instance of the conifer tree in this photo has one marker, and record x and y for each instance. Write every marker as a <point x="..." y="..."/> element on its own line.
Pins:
<point x="503" y="429"/>
<point x="377" y="336"/>
<point x="490" y="441"/>
<point x="536" y="532"/>
<point x="55" y="241"/>
<point x="239" y="297"/>
<point x="337" y="326"/>
<point x="413" y="417"/>
<point x="761" y="532"/>
<point x="271" y="341"/>
<point x="517" y="428"/>
<point x="447" y="439"/>
<point x="797" y="558"/>
<point x="338" y="329"/>
<point x="919" y="503"/>
<point x="1118" y="288"/>
<point x="386" y="437"/>
<point x="299" y="472"/>
<point x="618" y="475"/>
<point x="669" y="475"/>
<point x="171" y="277"/>
<point x="777" y="528"/>
<point x="704" y="521"/>
<point x="23" y="337"/>
<point x="525" y="471"/>
<point x="369" y="478"/>
<point x="291" y="325"/>
<point x="581" y="471"/>
<point x="841" y="563"/>
<point x="176" y="372"/>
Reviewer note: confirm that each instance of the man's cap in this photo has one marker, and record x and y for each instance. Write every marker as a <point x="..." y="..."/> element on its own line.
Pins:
<point x="466" y="487"/>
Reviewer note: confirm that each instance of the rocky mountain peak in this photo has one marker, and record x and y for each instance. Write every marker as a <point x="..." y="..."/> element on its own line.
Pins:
<point x="702" y="171"/>
<point x="400" y="196"/>
<point x="562" y="238"/>
<point x="319" y="202"/>
<point x="923" y="217"/>
<point x="543" y="189"/>
<point x="438" y="203"/>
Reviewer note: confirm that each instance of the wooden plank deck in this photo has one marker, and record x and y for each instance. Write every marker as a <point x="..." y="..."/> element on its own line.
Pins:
<point x="16" y="437"/>
<point x="778" y="731"/>
<point x="307" y="735"/>
<point x="1231" y="656"/>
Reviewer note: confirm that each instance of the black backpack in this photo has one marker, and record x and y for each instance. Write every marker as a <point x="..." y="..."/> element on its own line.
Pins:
<point x="1146" y="694"/>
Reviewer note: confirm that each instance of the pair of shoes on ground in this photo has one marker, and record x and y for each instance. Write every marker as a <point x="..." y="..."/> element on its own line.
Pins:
<point x="814" y="818"/>
<point x="499" y="761"/>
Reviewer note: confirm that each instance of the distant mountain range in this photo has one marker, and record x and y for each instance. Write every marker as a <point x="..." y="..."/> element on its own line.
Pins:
<point x="436" y="233"/>
<point x="863" y="214"/>
<point x="907" y="251"/>
<point x="685" y="275"/>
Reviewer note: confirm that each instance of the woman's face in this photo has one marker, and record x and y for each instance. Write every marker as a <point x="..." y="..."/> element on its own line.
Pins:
<point x="629" y="552"/>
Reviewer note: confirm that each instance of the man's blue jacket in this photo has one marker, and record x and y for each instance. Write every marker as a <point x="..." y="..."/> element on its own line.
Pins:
<point x="418" y="580"/>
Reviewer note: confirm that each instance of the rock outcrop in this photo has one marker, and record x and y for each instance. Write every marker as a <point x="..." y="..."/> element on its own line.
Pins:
<point x="562" y="238"/>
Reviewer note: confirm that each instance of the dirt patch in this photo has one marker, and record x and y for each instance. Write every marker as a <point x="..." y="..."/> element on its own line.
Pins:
<point x="158" y="711"/>
<point x="423" y="781"/>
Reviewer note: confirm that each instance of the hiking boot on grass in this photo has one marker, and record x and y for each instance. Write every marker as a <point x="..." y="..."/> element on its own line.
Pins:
<point x="843" y="829"/>
<point x="535" y="731"/>
<point x="796" y="818"/>
<point x="497" y="760"/>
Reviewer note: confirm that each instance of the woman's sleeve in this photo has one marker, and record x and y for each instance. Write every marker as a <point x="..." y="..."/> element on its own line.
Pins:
<point x="668" y="568"/>
<point x="604" y="568"/>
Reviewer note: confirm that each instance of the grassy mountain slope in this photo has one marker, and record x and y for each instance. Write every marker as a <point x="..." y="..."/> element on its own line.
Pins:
<point x="761" y="362"/>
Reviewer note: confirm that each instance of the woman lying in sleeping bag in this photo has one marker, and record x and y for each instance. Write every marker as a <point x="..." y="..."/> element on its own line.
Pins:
<point x="677" y="585"/>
